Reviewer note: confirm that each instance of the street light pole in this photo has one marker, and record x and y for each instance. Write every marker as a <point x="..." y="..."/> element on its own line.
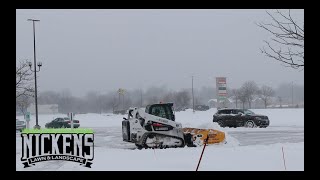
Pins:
<point x="35" y="71"/>
<point x="192" y="96"/>
<point x="119" y="103"/>
<point x="140" y="97"/>
<point x="292" y="95"/>
<point x="123" y="101"/>
<point x="100" y="103"/>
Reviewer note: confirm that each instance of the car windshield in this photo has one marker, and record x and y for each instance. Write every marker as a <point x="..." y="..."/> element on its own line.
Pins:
<point x="248" y="112"/>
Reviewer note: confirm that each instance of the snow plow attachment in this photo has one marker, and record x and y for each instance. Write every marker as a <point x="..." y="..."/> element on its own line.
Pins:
<point x="199" y="135"/>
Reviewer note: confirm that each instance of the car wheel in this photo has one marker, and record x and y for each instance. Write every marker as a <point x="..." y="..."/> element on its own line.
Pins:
<point x="220" y="122"/>
<point x="250" y="124"/>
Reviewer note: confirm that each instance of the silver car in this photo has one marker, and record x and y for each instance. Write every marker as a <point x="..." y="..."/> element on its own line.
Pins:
<point x="20" y="125"/>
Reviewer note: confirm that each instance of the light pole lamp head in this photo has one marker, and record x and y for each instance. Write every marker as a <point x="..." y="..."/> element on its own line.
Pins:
<point x="33" y="20"/>
<point x="39" y="65"/>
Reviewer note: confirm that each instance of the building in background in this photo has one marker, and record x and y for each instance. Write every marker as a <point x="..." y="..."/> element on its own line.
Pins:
<point x="213" y="103"/>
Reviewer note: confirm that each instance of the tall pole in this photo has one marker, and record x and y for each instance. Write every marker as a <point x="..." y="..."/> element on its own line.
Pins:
<point x="192" y="96"/>
<point x="123" y="101"/>
<point x="292" y="95"/>
<point x="100" y="103"/>
<point x="35" y="71"/>
<point x="140" y="97"/>
<point x="119" y="104"/>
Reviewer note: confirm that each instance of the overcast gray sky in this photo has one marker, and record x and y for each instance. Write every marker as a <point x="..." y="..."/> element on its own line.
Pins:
<point x="102" y="50"/>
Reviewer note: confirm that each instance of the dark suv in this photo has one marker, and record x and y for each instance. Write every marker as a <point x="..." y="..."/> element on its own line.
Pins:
<point x="240" y="117"/>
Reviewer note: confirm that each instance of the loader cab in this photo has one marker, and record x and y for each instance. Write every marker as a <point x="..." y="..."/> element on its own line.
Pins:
<point x="164" y="110"/>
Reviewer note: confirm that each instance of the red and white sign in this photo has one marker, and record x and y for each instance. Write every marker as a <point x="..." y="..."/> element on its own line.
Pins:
<point x="221" y="85"/>
<point x="221" y="80"/>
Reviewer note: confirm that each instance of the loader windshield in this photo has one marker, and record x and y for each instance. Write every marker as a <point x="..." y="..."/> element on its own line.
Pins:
<point x="161" y="110"/>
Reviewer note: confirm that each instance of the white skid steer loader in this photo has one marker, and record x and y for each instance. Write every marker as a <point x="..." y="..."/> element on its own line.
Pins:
<point x="155" y="127"/>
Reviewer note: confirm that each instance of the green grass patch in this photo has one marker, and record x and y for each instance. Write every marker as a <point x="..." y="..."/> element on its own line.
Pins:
<point x="58" y="131"/>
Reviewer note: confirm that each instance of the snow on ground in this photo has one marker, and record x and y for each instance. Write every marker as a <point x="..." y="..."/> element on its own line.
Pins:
<point x="257" y="149"/>
<point x="215" y="158"/>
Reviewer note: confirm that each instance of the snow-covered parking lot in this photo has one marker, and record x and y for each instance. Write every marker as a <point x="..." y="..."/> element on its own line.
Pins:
<point x="257" y="149"/>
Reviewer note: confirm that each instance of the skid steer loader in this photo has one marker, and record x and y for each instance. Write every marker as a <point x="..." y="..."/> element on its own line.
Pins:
<point x="155" y="127"/>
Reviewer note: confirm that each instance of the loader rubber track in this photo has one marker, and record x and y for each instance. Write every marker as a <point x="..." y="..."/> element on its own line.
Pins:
<point x="145" y="145"/>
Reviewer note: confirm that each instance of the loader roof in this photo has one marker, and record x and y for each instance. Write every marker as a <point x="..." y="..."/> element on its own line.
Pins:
<point x="161" y="103"/>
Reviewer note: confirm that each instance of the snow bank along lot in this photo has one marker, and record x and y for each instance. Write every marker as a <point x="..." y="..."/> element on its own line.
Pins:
<point x="257" y="149"/>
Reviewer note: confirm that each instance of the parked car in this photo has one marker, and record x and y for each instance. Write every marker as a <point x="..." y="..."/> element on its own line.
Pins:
<point x="177" y="109"/>
<point x="20" y="125"/>
<point x="201" y="107"/>
<point x="62" y="123"/>
<point x="240" y="117"/>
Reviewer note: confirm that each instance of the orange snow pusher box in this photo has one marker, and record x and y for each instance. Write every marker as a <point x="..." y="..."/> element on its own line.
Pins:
<point x="199" y="135"/>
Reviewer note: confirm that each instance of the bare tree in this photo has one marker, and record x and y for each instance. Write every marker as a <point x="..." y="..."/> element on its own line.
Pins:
<point x="65" y="101"/>
<point x="242" y="96"/>
<point x="154" y="94"/>
<point x="48" y="97"/>
<point x="127" y="102"/>
<point x="196" y="100"/>
<point x="93" y="99"/>
<point x="236" y="95"/>
<point x="169" y="97"/>
<point x="249" y="89"/>
<point x="182" y="98"/>
<point x="280" y="101"/>
<point x="24" y="79"/>
<point x="266" y="93"/>
<point x="114" y="104"/>
<point x="289" y="36"/>
<point x="152" y="100"/>
<point x="23" y="102"/>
